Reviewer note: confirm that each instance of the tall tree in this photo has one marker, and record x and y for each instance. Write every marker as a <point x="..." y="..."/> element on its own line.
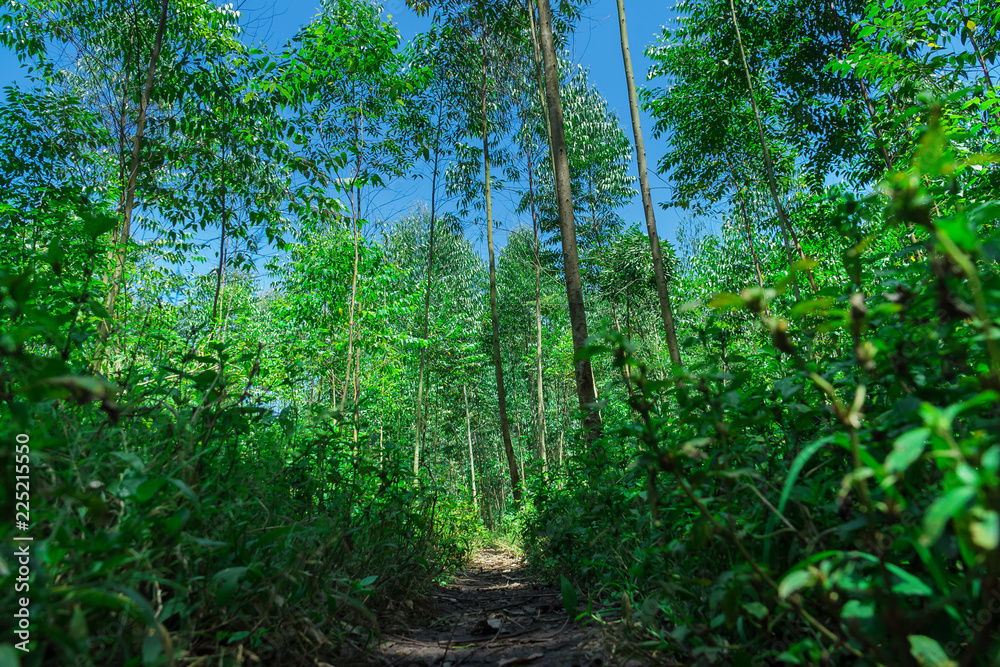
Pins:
<point x="666" y="312"/>
<point x="124" y="231"/>
<point x="585" y="385"/>
<point x="772" y="184"/>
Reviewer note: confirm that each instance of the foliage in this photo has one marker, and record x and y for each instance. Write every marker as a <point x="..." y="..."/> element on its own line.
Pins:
<point x="291" y="429"/>
<point x="826" y="489"/>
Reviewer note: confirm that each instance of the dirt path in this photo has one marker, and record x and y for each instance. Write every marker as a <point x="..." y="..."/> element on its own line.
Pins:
<point x="494" y="614"/>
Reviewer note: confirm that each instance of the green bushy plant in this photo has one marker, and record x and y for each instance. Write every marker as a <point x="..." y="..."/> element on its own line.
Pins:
<point x="828" y="495"/>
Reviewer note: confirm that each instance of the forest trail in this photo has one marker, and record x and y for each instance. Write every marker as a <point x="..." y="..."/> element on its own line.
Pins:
<point x="493" y="613"/>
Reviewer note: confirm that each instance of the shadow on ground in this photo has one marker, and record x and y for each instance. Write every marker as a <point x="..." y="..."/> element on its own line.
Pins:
<point x="494" y="614"/>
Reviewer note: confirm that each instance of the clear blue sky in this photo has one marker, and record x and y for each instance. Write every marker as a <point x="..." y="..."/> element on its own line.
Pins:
<point x="595" y="45"/>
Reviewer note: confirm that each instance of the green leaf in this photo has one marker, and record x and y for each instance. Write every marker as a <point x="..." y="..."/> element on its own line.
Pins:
<point x="227" y="581"/>
<point x="147" y="489"/>
<point x="8" y="656"/>
<point x="186" y="490"/>
<point x="985" y="530"/>
<point x="811" y="306"/>
<point x="795" y="581"/>
<point x="96" y="224"/>
<point x="909" y="584"/>
<point x="152" y="649"/>
<point x="132" y="460"/>
<point x="755" y="609"/>
<point x="568" y="595"/>
<point x="906" y="449"/>
<point x="237" y="636"/>
<point x="943" y="509"/>
<point x="858" y="609"/>
<point x="726" y="300"/>
<point x="928" y="652"/>
<point x="78" y="624"/>
<point x="368" y="581"/>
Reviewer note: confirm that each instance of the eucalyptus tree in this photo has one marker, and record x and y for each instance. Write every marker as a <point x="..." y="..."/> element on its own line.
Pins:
<point x="704" y="110"/>
<point x="457" y="301"/>
<point x="230" y="165"/>
<point x="351" y="89"/>
<point x="519" y="315"/>
<point x="537" y="256"/>
<point x="586" y="388"/>
<point x="598" y="155"/>
<point x="647" y="201"/>
<point x="487" y="36"/>
<point x="123" y="60"/>
<point x="765" y="150"/>
<point x="432" y="51"/>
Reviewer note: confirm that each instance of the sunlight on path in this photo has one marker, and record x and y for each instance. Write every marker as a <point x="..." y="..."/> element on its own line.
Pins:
<point x="494" y="614"/>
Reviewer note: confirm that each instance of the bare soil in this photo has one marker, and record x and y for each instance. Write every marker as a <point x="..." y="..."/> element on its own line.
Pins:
<point x="493" y="613"/>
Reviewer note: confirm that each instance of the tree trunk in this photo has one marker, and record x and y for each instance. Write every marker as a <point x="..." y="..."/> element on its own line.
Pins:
<point x="979" y="54"/>
<point x="355" y="216"/>
<point x="494" y="316"/>
<point x="565" y="420"/>
<point x="427" y="297"/>
<point x="538" y="322"/>
<point x="666" y="312"/>
<point x="746" y="223"/>
<point x="472" y="460"/>
<point x="585" y="385"/>
<point x="118" y="272"/>
<point x="768" y="165"/>
<point x="220" y="273"/>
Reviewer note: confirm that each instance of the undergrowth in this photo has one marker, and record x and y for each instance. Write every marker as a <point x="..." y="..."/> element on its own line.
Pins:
<point x="824" y="488"/>
<point x="178" y="519"/>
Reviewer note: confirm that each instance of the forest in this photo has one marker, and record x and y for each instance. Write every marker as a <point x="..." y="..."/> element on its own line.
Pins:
<point x="249" y="416"/>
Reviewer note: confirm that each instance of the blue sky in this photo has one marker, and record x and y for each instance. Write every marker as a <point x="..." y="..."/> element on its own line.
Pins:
<point x="595" y="45"/>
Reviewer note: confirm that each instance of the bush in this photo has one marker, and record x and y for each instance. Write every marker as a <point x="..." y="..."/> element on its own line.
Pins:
<point x="830" y="495"/>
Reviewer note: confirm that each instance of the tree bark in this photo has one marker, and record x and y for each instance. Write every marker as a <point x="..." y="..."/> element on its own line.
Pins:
<point x="472" y="460"/>
<point x="585" y="385"/>
<point x="118" y="272"/>
<point x="494" y="316"/>
<point x="666" y="312"/>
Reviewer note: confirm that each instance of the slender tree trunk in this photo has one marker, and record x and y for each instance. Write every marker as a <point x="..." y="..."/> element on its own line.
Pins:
<point x="979" y="57"/>
<point x="118" y="272"/>
<point x="768" y="165"/>
<point x="565" y="425"/>
<point x="666" y="312"/>
<point x="220" y="273"/>
<point x="427" y="294"/>
<point x="355" y="216"/>
<point x="746" y="223"/>
<point x="494" y="316"/>
<point x="585" y="385"/>
<point x="538" y="320"/>
<point x="229" y="307"/>
<point x="540" y="76"/>
<point x="472" y="459"/>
